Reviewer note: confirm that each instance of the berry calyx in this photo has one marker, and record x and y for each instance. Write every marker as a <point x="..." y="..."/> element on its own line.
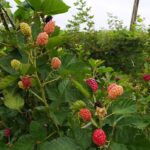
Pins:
<point x="99" y="137"/>
<point x="20" y="84"/>
<point x="7" y="132"/>
<point x="48" y="18"/>
<point x="85" y="114"/>
<point x="91" y="82"/>
<point x="55" y="63"/>
<point x="101" y="112"/>
<point x="98" y="104"/>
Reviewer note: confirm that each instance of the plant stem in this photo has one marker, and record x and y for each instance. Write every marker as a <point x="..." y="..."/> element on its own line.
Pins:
<point x="38" y="80"/>
<point x="49" y="135"/>
<point x="36" y="95"/>
<point x="48" y="75"/>
<point x="108" y="116"/>
<point x="11" y="22"/>
<point x="4" y="20"/>
<point x="94" y="98"/>
<point x="51" y="81"/>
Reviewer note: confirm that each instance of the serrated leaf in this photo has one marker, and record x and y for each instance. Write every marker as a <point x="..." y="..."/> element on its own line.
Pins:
<point x="128" y="138"/>
<point x="62" y="86"/>
<point x="123" y="107"/>
<point x="25" y="68"/>
<point x="14" y="102"/>
<point x="26" y="142"/>
<point x="35" y="127"/>
<point x="7" y="81"/>
<point x="62" y="143"/>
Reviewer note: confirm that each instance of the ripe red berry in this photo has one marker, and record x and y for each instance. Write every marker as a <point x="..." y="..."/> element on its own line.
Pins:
<point x="146" y="77"/>
<point x="99" y="137"/>
<point x="26" y="82"/>
<point x="85" y="114"/>
<point x="91" y="82"/>
<point x="7" y="132"/>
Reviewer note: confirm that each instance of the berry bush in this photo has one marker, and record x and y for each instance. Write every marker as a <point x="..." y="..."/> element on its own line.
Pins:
<point x="51" y="99"/>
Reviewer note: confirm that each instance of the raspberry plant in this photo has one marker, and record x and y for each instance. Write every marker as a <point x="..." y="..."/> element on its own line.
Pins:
<point x="52" y="100"/>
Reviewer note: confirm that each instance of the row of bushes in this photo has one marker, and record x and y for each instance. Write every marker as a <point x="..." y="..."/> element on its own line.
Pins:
<point x="121" y="49"/>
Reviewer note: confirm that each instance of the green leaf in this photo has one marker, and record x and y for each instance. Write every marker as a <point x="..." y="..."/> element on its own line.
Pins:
<point x="25" y="68"/>
<point x="49" y="7"/>
<point x="26" y="142"/>
<point x="3" y="146"/>
<point x="35" y="127"/>
<point x="7" y="81"/>
<point x="127" y="138"/>
<point x="117" y="146"/>
<point x="80" y="88"/>
<point x="55" y="41"/>
<point x="122" y="107"/>
<point x="79" y="134"/>
<point x="54" y="7"/>
<point x="14" y="102"/>
<point x="36" y="4"/>
<point x="62" y="86"/>
<point x="62" y="143"/>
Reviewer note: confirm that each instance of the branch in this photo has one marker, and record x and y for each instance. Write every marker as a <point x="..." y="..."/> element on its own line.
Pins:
<point x="11" y="22"/>
<point x="4" y="20"/>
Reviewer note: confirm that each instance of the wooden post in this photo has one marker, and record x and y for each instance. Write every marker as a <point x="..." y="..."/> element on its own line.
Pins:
<point x="134" y="13"/>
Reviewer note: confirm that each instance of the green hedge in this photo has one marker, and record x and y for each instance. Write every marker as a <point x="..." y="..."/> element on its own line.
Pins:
<point x="123" y="50"/>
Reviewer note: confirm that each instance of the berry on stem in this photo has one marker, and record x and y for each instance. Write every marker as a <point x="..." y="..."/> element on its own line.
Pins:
<point x="99" y="137"/>
<point x="91" y="82"/>
<point x="7" y="132"/>
<point x="25" y="82"/>
<point x="42" y="39"/>
<point x="55" y="63"/>
<point x="85" y="114"/>
<point x="49" y="27"/>
<point x="25" y="29"/>
<point x="146" y="77"/>
<point x="16" y="64"/>
<point x="114" y="91"/>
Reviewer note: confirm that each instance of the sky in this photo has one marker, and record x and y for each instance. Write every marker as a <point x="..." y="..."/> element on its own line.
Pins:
<point x="120" y="8"/>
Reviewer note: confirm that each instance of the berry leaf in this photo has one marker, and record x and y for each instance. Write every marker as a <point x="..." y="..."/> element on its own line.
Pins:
<point x="7" y="81"/>
<point x="14" y="102"/>
<point x="62" y="143"/>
